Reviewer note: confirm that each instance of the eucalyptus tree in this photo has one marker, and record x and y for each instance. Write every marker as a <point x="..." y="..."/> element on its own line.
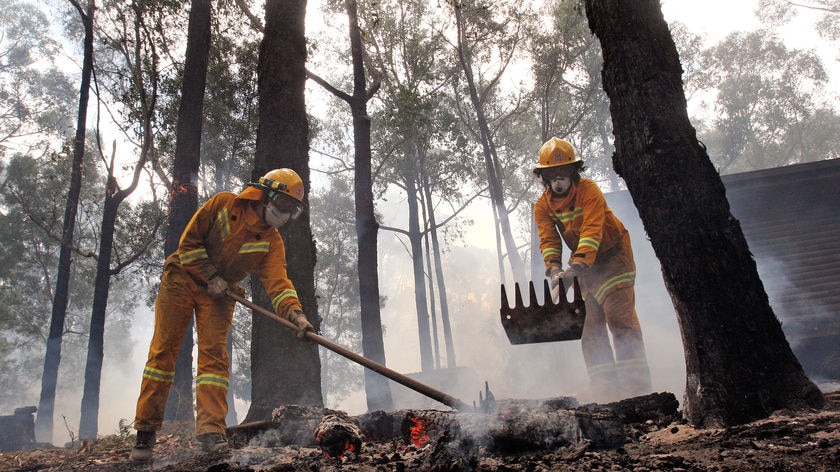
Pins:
<point x="378" y="394"/>
<point x="131" y="42"/>
<point x="226" y="122"/>
<point x="183" y="188"/>
<point x="418" y="139"/>
<point x="739" y="365"/>
<point x="486" y="40"/>
<point x="36" y="96"/>
<point x="52" y="358"/>
<point x="766" y="98"/>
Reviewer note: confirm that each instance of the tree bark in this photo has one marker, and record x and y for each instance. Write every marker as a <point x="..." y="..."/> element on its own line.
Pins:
<point x="285" y="370"/>
<point x="739" y="364"/>
<point x="377" y="389"/>
<point x="52" y="358"/>
<point x="488" y="146"/>
<point x="89" y="418"/>
<point x="415" y="237"/>
<point x="183" y="195"/>
<point x="449" y="344"/>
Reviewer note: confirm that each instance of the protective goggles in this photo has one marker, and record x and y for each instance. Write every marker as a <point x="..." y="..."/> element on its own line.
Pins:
<point x="286" y="204"/>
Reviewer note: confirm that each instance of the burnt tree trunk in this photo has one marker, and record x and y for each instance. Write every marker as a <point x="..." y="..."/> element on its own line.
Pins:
<point x="738" y="362"/>
<point x="284" y="369"/>
<point x="183" y="195"/>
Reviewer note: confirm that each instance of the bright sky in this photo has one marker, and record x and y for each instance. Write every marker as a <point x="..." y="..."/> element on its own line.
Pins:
<point x="714" y="19"/>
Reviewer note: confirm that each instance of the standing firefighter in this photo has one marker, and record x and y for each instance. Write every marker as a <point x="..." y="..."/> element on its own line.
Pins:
<point x="228" y="237"/>
<point x="573" y="210"/>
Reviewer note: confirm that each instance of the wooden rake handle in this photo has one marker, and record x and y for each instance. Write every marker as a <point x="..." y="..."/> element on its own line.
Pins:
<point x="421" y="388"/>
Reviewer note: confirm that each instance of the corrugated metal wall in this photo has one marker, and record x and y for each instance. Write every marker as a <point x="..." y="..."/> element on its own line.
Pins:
<point x="791" y="220"/>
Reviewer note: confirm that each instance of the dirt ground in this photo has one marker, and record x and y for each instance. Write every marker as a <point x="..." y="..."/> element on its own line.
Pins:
<point x="786" y="441"/>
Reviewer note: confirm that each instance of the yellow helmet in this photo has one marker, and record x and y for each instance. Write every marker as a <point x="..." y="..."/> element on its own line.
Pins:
<point x="283" y="188"/>
<point x="282" y="181"/>
<point x="556" y="152"/>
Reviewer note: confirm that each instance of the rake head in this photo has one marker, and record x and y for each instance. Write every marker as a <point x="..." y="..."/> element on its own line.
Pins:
<point x="560" y="321"/>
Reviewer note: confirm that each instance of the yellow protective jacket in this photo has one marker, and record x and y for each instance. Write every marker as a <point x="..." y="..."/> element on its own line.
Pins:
<point x="596" y="237"/>
<point x="228" y="238"/>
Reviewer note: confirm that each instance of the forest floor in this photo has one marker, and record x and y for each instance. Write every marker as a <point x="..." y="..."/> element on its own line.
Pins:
<point x="785" y="441"/>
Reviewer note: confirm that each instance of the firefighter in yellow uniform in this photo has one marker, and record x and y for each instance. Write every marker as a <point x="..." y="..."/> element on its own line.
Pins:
<point x="228" y="237"/>
<point x="572" y="210"/>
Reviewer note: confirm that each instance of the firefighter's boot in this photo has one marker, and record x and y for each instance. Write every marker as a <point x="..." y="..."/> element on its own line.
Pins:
<point x="213" y="442"/>
<point x="142" y="450"/>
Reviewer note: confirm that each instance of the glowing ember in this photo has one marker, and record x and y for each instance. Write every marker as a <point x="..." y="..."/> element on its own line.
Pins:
<point x="338" y="436"/>
<point x="418" y="433"/>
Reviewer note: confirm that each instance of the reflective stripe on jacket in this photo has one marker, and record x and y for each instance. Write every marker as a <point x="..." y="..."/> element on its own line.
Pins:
<point x="596" y="237"/>
<point x="228" y="237"/>
<point x="583" y="220"/>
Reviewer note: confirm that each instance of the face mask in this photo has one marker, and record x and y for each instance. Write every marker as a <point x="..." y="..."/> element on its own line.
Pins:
<point x="561" y="185"/>
<point x="274" y="217"/>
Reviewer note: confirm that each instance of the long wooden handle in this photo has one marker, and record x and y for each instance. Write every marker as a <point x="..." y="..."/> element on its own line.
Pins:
<point x="424" y="389"/>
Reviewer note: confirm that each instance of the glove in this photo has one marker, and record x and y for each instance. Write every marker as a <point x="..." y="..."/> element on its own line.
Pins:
<point x="216" y="286"/>
<point x="303" y="325"/>
<point x="568" y="275"/>
<point x="554" y="274"/>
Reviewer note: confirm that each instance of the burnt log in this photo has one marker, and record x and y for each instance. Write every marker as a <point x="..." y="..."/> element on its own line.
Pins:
<point x="338" y="434"/>
<point x="660" y="408"/>
<point x="379" y="426"/>
<point x="515" y="426"/>
<point x="289" y="425"/>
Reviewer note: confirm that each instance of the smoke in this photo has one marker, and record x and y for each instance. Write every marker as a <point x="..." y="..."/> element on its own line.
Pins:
<point x="482" y="350"/>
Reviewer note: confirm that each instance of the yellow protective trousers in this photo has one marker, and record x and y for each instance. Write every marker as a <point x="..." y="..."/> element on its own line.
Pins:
<point x="179" y="296"/>
<point x="623" y="372"/>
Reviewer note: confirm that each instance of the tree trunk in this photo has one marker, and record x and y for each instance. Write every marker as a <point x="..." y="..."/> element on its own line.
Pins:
<point x="430" y="282"/>
<point x="738" y="362"/>
<point x="89" y="419"/>
<point x="285" y="370"/>
<point x="52" y="358"/>
<point x="415" y="239"/>
<point x="491" y="160"/>
<point x="377" y="389"/>
<point x="438" y="271"/>
<point x="183" y="197"/>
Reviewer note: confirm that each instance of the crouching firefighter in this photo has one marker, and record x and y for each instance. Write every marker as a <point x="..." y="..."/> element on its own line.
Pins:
<point x="572" y="210"/>
<point x="228" y="237"/>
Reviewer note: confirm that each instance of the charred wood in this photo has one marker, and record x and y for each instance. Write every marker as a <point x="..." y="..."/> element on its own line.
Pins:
<point x="515" y="426"/>
<point x="338" y="434"/>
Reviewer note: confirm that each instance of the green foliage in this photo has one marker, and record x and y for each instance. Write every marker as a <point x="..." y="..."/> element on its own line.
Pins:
<point x="765" y="94"/>
<point x="36" y="106"/>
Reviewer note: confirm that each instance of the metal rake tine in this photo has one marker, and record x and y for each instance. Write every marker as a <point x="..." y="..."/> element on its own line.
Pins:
<point x="578" y="294"/>
<point x="505" y="304"/>
<point x="518" y="296"/>
<point x="532" y="293"/>
<point x="547" y="298"/>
